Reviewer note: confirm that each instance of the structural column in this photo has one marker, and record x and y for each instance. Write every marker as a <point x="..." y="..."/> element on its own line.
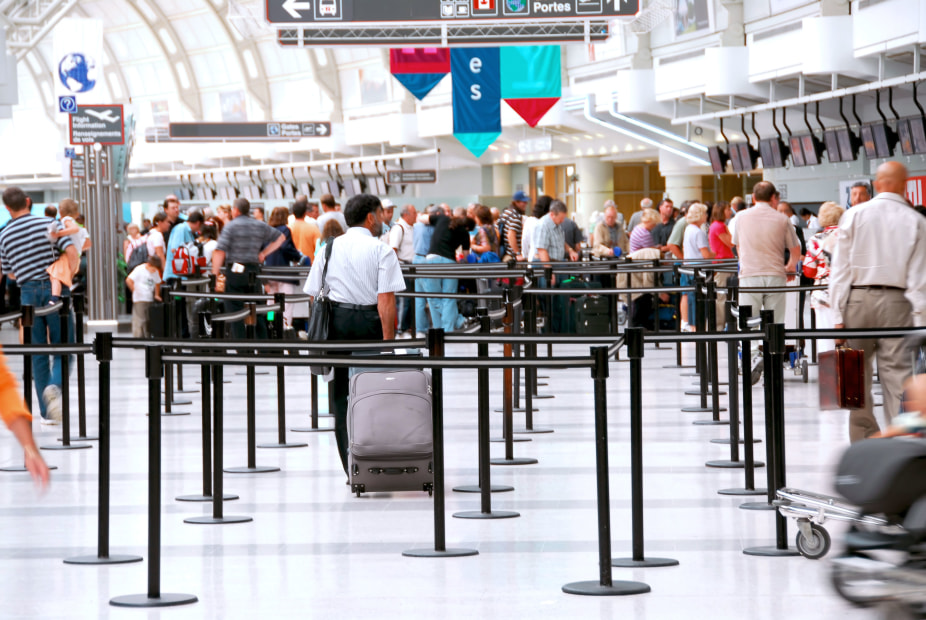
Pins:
<point x="595" y="185"/>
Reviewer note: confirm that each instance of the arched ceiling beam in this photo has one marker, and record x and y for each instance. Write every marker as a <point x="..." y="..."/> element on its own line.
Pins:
<point x="257" y="86"/>
<point x="43" y="77"/>
<point x="113" y="65"/>
<point x="177" y="60"/>
<point x="328" y="79"/>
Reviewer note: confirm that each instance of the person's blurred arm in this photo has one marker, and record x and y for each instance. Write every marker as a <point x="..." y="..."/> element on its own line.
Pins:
<point x="18" y="419"/>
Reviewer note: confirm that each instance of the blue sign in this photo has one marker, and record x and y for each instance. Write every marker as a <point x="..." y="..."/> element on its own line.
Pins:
<point x="67" y="105"/>
<point x="476" y="90"/>
<point x="70" y="153"/>
<point x="77" y="72"/>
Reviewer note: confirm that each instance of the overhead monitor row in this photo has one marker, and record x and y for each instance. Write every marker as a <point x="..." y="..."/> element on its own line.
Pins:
<point x="840" y="144"/>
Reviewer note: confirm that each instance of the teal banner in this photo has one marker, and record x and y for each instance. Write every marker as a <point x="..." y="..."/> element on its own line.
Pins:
<point x="531" y="71"/>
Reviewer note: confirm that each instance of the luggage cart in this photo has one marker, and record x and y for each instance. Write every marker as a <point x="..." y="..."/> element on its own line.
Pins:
<point x="811" y="511"/>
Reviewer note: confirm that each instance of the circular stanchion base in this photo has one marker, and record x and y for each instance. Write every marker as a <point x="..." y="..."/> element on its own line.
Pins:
<point x="720" y="383"/>
<point x="543" y="384"/>
<point x="312" y="430"/>
<point x="541" y="396"/>
<point x="225" y="381"/>
<point x="682" y="367"/>
<point x="726" y="441"/>
<point x="644" y="563"/>
<point x="617" y="588"/>
<point x="475" y="488"/>
<point x="431" y="553"/>
<point x="20" y="468"/>
<point x="758" y="506"/>
<point x="732" y="464"/>
<point x="698" y="393"/>
<point x="81" y="439"/>
<point x="514" y="461"/>
<point x="73" y="446"/>
<point x="93" y="559"/>
<point x="771" y="552"/>
<point x="532" y="431"/>
<point x="516" y="410"/>
<point x="256" y="372"/>
<point x="542" y="377"/>
<point x="176" y="391"/>
<point x="742" y="492"/>
<point x="282" y="445"/>
<point x="180" y="403"/>
<point x="143" y="600"/>
<point x="513" y="439"/>
<point x="710" y="422"/>
<point x="701" y="410"/>
<point x="226" y="497"/>
<point x="173" y="414"/>
<point x="495" y="514"/>
<point x="689" y="374"/>
<point x="210" y="520"/>
<point x="250" y="470"/>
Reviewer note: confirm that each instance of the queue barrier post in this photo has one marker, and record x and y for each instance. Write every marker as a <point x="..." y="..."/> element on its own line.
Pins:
<point x="605" y="585"/>
<point x="250" y="327"/>
<point x="485" y="487"/>
<point x="103" y="349"/>
<point x="64" y="313"/>
<point x="708" y="322"/>
<point x="440" y="550"/>
<point x="634" y="342"/>
<point x="745" y="313"/>
<point x="676" y="280"/>
<point x="280" y="299"/>
<point x="775" y="441"/>
<point x="79" y="310"/>
<point x="530" y="378"/>
<point x="154" y="597"/>
<point x="180" y="318"/>
<point x="700" y="356"/>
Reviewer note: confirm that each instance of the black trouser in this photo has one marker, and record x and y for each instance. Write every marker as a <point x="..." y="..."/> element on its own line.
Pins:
<point x="240" y="283"/>
<point x="348" y="325"/>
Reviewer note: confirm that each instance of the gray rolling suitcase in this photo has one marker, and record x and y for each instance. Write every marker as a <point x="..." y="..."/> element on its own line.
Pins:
<point x="390" y="431"/>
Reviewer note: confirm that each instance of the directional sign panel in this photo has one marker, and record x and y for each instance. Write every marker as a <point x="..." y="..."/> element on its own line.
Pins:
<point x="249" y="132"/>
<point x="78" y="169"/>
<point x="97" y="123"/>
<point x="404" y="177"/>
<point x="377" y="11"/>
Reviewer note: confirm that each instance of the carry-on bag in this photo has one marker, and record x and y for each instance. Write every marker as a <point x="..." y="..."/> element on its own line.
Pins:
<point x="592" y="316"/>
<point x="842" y="379"/>
<point x="390" y="430"/>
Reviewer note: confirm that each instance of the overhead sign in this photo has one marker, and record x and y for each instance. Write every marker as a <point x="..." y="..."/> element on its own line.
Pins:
<point x="405" y="177"/>
<point x="67" y="104"/>
<point x="376" y="11"/>
<point x="250" y="132"/>
<point x="531" y="146"/>
<point x="78" y="169"/>
<point x="97" y="123"/>
<point x="70" y="153"/>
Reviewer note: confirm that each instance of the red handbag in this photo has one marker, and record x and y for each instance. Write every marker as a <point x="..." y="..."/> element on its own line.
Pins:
<point x="842" y="379"/>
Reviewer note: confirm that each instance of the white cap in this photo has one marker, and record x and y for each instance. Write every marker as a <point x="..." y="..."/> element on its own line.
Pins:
<point x="387" y="203"/>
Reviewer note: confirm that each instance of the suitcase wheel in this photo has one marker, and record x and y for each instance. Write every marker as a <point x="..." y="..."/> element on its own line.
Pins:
<point x="429" y="487"/>
<point x="358" y="488"/>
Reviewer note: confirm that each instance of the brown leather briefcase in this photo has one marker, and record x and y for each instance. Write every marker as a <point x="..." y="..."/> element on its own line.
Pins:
<point x="842" y="379"/>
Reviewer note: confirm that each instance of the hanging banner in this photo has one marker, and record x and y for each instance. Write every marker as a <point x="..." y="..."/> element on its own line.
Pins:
<point x="531" y="80"/>
<point x="78" y="59"/>
<point x="477" y="113"/>
<point x="419" y="69"/>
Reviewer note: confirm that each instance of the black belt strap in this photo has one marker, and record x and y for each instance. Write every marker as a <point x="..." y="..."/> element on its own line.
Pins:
<point x="344" y="306"/>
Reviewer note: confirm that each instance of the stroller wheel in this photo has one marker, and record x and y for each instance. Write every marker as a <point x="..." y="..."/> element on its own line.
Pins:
<point x="804" y="371"/>
<point x="856" y="586"/>
<point x="816" y="545"/>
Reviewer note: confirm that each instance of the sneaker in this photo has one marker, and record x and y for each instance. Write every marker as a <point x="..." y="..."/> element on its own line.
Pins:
<point x="758" y="363"/>
<point x="420" y="335"/>
<point x="49" y="422"/>
<point x="52" y="398"/>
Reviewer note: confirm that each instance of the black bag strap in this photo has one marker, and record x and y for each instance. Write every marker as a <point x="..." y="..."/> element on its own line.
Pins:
<point x="327" y="260"/>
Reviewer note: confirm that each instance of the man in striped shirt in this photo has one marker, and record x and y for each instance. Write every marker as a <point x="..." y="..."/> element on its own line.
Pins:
<point x="25" y="253"/>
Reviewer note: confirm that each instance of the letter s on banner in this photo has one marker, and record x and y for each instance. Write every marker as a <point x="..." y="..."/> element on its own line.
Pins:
<point x="475" y="92"/>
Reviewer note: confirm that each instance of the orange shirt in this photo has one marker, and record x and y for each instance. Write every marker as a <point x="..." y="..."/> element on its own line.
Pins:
<point x="305" y="234"/>
<point x="12" y="405"/>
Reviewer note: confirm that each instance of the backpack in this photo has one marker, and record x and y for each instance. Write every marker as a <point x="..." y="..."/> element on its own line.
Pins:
<point x="139" y="255"/>
<point x="188" y="259"/>
<point x="502" y="237"/>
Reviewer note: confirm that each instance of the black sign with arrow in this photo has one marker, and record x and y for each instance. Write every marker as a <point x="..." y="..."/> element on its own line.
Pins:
<point x="248" y="132"/>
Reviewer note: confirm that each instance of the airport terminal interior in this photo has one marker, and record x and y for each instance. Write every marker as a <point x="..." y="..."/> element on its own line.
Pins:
<point x="120" y="104"/>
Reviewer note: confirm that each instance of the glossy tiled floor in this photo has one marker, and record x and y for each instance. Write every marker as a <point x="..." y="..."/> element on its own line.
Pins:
<point x="314" y="550"/>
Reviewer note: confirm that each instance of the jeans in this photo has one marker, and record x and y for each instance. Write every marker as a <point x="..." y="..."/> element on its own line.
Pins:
<point x="46" y="370"/>
<point x="444" y="312"/>
<point x="404" y="307"/>
<point x="421" y="315"/>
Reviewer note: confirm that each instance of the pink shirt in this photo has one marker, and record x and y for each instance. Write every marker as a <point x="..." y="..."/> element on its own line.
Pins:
<point x="761" y="237"/>
<point x="721" y="249"/>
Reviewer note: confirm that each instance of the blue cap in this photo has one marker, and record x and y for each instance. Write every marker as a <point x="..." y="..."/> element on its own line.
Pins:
<point x="520" y="196"/>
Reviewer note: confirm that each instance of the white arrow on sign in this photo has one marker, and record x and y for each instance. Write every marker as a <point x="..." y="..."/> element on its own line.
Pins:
<point x="294" y="6"/>
<point x="321" y="130"/>
<point x="103" y="116"/>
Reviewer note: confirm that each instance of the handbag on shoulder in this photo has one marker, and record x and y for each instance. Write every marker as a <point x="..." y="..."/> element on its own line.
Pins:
<point x="317" y="328"/>
<point x="842" y="379"/>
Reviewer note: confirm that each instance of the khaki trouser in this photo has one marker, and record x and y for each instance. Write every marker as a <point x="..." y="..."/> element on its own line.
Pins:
<point x="720" y="279"/>
<point x="775" y="302"/>
<point x="873" y="308"/>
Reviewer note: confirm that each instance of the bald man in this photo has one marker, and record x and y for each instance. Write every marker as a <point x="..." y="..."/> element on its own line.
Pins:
<point x="879" y="280"/>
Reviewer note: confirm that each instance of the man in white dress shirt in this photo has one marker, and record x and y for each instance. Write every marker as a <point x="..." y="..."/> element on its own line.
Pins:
<point x="363" y="278"/>
<point x="878" y="279"/>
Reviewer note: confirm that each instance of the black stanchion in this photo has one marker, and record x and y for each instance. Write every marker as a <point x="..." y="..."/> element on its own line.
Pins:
<point x="103" y="349"/>
<point x="768" y="318"/>
<point x="179" y="313"/>
<point x="605" y="586"/>
<point x="280" y="298"/>
<point x="703" y="370"/>
<point x="250" y="326"/>
<point x="218" y="449"/>
<point x="154" y="597"/>
<point x="707" y="324"/>
<point x="26" y="321"/>
<point x="676" y="279"/>
<point x="206" y="381"/>
<point x="170" y="331"/>
<point x="634" y="340"/>
<point x="745" y="313"/>
<point x="313" y="411"/>
<point x="507" y="398"/>
<point x="775" y="442"/>
<point x="63" y="314"/>
<point x="440" y="550"/>
<point x="79" y="305"/>
<point x="530" y="380"/>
